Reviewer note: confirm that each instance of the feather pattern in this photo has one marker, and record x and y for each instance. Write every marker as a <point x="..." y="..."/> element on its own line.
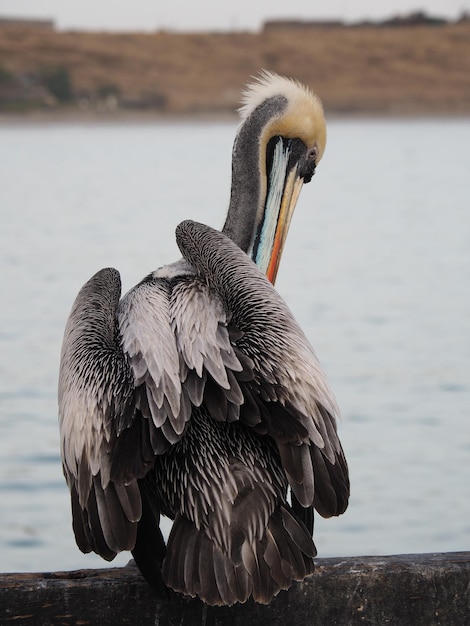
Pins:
<point x="96" y="400"/>
<point x="288" y="378"/>
<point x="234" y="536"/>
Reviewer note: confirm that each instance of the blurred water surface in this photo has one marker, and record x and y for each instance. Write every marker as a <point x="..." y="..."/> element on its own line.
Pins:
<point x="376" y="270"/>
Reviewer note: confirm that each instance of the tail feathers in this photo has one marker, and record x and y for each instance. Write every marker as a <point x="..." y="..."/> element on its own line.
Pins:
<point x="196" y="566"/>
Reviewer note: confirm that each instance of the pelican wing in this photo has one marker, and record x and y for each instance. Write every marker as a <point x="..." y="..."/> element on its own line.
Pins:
<point x="96" y="404"/>
<point x="288" y="396"/>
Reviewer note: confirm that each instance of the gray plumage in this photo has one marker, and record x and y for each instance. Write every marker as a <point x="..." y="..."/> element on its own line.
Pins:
<point x="197" y="396"/>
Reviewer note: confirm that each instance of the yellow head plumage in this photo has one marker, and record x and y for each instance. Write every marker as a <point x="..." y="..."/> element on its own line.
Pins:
<point x="303" y="117"/>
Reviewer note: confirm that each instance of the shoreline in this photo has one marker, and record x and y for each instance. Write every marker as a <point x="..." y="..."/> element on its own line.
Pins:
<point x="117" y="117"/>
<point x="77" y="117"/>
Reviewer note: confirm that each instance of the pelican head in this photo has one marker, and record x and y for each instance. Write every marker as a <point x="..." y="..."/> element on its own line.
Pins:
<point x="280" y="140"/>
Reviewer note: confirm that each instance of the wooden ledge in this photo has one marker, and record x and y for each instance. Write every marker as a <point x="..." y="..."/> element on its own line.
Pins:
<point x="407" y="590"/>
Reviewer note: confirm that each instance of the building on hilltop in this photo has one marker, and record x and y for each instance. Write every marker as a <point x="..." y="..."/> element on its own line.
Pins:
<point x="15" y="22"/>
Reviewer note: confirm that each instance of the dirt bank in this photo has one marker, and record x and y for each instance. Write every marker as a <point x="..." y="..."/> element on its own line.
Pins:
<point x="362" y="69"/>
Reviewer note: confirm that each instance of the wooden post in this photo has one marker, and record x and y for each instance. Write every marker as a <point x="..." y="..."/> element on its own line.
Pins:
<point x="414" y="589"/>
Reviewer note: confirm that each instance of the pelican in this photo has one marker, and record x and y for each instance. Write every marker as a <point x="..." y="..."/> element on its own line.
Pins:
<point x="197" y="396"/>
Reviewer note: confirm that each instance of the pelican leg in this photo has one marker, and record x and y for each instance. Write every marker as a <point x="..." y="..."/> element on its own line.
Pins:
<point x="149" y="550"/>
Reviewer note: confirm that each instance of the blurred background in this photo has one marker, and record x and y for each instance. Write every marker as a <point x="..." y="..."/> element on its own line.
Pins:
<point x="117" y="122"/>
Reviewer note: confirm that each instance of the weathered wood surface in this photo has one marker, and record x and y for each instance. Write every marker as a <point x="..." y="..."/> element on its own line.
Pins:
<point x="404" y="590"/>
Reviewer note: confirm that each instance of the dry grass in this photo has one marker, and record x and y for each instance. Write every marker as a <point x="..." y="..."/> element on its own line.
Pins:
<point x="421" y="69"/>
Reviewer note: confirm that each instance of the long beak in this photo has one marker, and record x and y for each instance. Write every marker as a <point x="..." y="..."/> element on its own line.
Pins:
<point x="291" y="194"/>
<point x="285" y="184"/>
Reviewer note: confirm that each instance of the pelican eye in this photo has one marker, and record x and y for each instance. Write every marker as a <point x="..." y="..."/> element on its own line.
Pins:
<point x="312" y="153"/>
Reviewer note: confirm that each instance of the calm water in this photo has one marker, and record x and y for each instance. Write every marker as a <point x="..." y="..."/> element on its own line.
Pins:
<point x="376" y="269"/>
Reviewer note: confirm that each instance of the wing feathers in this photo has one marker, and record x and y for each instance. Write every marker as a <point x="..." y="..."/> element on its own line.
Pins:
<point x="96" y="403"/>
<point x="179" y="347"/>
<point x="331" y="484"/>
<point x="288" y="389"/>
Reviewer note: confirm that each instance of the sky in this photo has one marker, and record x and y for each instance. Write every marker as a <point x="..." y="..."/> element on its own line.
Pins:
<point x="180" y="15"/>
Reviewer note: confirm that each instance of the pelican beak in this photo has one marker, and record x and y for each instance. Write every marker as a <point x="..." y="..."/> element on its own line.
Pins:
<point x="290" y="196"/>
<point x="291" y="166"/>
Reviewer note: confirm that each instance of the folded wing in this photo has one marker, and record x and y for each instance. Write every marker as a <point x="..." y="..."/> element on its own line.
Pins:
<point x="288" y="397"/>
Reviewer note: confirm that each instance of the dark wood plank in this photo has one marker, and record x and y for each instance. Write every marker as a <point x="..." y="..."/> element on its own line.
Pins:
<point x="428" y="589"/>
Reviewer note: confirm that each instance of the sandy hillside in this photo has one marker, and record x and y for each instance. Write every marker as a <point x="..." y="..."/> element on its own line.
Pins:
<point x="409" y="69"/>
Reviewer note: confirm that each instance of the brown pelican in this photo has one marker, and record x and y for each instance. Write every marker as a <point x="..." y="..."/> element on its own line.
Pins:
<point x="198" y="397"/>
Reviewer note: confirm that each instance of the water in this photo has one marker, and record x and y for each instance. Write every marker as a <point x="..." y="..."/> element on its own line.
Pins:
<point x="376" y="270"/>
